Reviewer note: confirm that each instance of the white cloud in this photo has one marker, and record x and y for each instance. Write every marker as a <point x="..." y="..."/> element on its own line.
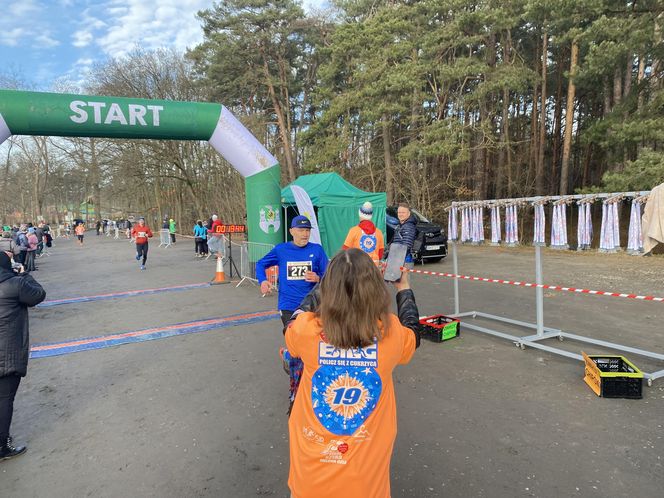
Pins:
<point x="78" y="72"/>
<point x="90" y="21"/>
<point x="171" y="24"/>
<point x="82" y="38"/>
<point x="22" y="8"/>
<point x="44" y="40"/>
<point x="11" y="37"/>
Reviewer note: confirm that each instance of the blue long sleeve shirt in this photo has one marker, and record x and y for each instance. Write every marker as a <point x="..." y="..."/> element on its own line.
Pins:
<point x="200" y="232"/>
<point x="293" y="263"/>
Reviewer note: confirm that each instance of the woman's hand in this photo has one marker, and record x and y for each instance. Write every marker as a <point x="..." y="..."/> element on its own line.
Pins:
<point x="402" y="283"/>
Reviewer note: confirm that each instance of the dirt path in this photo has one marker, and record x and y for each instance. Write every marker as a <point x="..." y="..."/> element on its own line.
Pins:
<point x="203" y="415"/>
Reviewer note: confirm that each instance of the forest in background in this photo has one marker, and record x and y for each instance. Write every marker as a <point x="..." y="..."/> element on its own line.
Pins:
<point x="430" y="101"/>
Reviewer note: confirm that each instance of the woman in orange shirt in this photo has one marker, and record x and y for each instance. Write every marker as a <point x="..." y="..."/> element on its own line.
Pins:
<point x="343" y="423"/>
<point x="80" y="232"/>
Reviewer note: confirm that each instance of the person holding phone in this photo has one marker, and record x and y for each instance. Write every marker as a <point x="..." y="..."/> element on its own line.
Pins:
<point x="344" y="420"/>
<point x="18" y="291"/>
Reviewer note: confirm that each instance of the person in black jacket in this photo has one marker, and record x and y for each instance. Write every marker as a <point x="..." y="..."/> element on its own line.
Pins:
<point x="406" y="232"/>
<point x="18" y="291"/>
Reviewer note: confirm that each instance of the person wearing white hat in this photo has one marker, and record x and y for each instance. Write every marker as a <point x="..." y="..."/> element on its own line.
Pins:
<point x="365" y="236"/>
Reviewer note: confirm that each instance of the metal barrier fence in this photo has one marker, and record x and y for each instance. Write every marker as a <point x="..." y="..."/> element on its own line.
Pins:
<point x="217" y="245"/>
<point x="543" y="333"/>
<point x="250" y="252"/>
<point x="164" y="237"/>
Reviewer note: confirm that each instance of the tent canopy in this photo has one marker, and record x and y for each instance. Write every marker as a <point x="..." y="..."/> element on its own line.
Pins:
<point x="337" y="203"/>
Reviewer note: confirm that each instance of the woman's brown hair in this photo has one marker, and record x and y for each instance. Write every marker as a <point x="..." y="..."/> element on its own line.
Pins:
<point x="354" y="301"/>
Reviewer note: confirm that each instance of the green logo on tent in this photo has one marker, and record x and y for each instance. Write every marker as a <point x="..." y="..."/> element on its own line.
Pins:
<point x="269" y="219"/>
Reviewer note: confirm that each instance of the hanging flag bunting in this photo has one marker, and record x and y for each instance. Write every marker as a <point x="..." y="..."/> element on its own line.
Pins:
<point x="559" y="227"/>
<point x="635" y="242"/>
<point x="511" y="226"/>
<point x="477" y="225"/>
<point x="584" y="230"/>
<point x="616" y="226"/>
<point x="465" y="225"/>
<point x="471" y="225"/>
<point x="452" y="229"/>
<point x="540" y="222"/>
<point x="610" y="232"/>
<point x="604" y="245"/>
<point x="480" y="221"/>
<point x="589" y="224"/>
<point x="495" y="225"/>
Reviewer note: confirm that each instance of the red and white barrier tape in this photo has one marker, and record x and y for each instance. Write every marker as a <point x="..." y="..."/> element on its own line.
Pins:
<point x="543" y="286"/>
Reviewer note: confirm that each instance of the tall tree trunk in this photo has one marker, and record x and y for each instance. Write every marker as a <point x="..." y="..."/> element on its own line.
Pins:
<point x="539" y="172"/>
<point x="617" y="86"/>
<point x="489" y="152"/>
<point x="606" y="108"/>
<point x="639" y="78"/>
<point x="534" y="133"/>
<point x="569" y="119"/>
<point x="557" y="122"/>
<point x="506" y="140"/>
<point x="627" y="88"/>
<point x="586" y="165"/>
<point x="281" y="121"/>
<point x="656" y="63"/>
<point x="480" y="157"/>
<point x="505" y="148"/>
<point x="387" y="156"/>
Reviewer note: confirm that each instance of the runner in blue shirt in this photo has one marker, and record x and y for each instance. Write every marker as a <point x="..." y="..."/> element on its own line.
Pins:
<point x="301" y="265"/>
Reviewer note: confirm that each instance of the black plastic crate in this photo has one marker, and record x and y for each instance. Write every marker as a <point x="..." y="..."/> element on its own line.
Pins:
<point x="439" y="328"/>
<point x="613" y="376"/>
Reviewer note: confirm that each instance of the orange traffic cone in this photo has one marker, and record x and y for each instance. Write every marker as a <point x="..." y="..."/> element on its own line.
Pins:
<point x="219" y="276"/>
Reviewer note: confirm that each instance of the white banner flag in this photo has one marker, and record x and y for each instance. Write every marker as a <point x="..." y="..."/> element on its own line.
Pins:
<point x="306" y="208"/>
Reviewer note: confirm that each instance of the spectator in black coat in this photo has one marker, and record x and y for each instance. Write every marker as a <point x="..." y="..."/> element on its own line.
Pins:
<point x="406" y="232"/>
<point x="18" y="291"/>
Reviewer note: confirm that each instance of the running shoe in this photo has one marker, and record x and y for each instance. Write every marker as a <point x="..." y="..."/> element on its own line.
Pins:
<point x="285" y="360"/>
<point x="142" y="267"/>
<point x="138" y="257"/>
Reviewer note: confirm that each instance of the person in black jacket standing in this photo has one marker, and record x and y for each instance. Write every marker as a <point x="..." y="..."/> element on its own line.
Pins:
<point x="18" y="291"/>
<point x="406" y="232"/>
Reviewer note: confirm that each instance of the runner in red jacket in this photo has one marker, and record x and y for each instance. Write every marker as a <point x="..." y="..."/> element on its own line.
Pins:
<point x="141" y="232"/>
<point x="215" y="223"/>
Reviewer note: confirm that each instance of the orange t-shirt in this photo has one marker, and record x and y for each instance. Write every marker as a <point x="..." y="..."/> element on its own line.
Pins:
<point x="372" y="244"/>
<point x="344" y="420"/>
<point x="80" y="229"/>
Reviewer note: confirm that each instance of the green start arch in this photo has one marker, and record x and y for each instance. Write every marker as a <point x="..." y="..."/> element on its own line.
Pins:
<point x="65" y="115"/>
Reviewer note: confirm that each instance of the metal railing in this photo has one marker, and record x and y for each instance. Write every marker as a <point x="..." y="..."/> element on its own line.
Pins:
<point x="542" y="332"/>
<point x="250" y="253"/>
<point x="217" y="245"/>
<point x="164" y="237"/>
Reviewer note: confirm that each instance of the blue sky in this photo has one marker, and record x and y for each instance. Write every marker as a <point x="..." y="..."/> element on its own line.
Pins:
<point x="44" y="40"/>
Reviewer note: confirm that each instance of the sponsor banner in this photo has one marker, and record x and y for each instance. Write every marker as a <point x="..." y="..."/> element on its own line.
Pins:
<point x="264" y="223"/>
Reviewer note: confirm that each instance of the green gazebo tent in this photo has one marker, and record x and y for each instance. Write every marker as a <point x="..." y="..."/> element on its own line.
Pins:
<point x="337" y="203"/>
